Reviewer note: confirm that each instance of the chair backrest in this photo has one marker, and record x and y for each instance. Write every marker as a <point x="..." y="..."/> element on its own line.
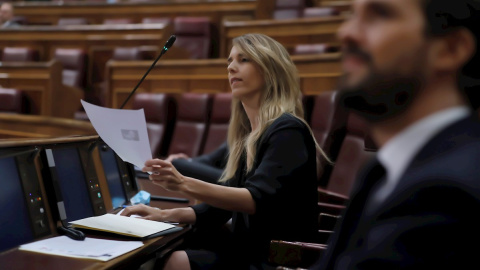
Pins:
<point x="160" y="113"/>
<point x="19" y="54"/>
<point x="191" y="125"/>
<point x="219" y="121"/>
<point x="194" y="34"/>
<point x="312" y="12"/>
<point x="74" y="63"/>
<point x="72" y="21"/>
<point x="11" y="100"/>
<point x="322" y="118"/>
<point x="288" y="9"/>
<point x="351" y="157"/>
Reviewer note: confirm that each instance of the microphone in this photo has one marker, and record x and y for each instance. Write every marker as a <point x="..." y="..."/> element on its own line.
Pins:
<point x="167" y="46"/>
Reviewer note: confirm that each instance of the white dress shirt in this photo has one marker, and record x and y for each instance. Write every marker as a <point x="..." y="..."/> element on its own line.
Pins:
<point x="399" y="151"/>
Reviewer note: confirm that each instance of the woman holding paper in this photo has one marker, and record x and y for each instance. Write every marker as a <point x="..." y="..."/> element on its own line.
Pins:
<point x="269" y="184"/>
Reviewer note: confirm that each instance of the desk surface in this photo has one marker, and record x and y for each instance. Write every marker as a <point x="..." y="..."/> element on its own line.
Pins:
<point x="157" y="247"/>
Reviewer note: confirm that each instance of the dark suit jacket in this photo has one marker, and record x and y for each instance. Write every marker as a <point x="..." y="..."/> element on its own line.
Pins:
<point x="430" y="221"/>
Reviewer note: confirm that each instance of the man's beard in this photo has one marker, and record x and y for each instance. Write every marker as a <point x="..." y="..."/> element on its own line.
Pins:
<point x="380" y="96"/>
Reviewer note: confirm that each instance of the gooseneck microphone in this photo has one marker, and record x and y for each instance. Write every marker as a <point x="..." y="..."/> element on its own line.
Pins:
<point x="167" y="46"/>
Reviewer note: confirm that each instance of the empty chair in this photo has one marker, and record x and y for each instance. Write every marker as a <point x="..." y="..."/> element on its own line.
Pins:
<point x="191" y="124"/>
<point x="194" y="35"/>
<point x="311" y="12"/>
<point x="288" y="9"/>
<point x="160" y="113"/>
<point x="19" y="54"/>
<point x="118" y="21"/>
<point x="74" y="66"/>
<point x="72" y="21"/>
<point x="219" y="121"/>
<point x="351" y="157"/>
<point x="11" y="101"/>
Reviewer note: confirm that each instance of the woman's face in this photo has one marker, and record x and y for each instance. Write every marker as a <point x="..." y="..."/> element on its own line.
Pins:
<point x="245" y="77"/>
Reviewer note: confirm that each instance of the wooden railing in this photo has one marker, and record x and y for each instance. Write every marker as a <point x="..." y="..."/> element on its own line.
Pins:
<point x="317" y="73"/>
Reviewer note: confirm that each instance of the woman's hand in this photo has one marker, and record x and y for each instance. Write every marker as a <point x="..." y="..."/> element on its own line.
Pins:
<point x="144" y="211"/>
<point x="164" y="174"/>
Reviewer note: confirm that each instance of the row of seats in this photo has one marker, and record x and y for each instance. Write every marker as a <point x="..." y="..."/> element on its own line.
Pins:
<point x="192" y="124"/>
<point x="197" y="123"/>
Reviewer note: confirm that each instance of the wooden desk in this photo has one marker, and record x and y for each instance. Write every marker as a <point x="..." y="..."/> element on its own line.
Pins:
<point x="14" y="126"/>
<point x="288" y="32"/>
<point x="42" y="83"/>
<point x="94" y="39"/>
<point x="157" y="247"/>
<point x="95" y="13"/>
<point x="318" y="73"/>
<point x="153" y="248"/>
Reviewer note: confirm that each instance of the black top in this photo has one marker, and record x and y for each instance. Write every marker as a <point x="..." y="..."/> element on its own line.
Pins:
<point x="282" y="183"/>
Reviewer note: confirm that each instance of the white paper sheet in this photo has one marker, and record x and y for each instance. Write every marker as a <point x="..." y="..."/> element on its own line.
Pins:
<point x="125" y="131"/>
<point x="90" y="248"/>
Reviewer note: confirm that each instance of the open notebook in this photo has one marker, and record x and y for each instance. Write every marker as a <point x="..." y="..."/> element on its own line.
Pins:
<point x="133" y="227"/>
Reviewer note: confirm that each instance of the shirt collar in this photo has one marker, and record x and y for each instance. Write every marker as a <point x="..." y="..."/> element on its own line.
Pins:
<point x="397" y="153"/>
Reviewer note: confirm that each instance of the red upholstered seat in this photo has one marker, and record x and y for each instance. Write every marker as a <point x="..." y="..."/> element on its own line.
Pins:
<point x="352" y="156"/>
<point x="191" y="125"/>
<point x="219" y="120"/>
<point x="194" y="35"/>
<point x="74" y="65"/>
<point x="160" y="113"/>
<point x="288" y="9"/>
<point x="11" y="101"/>
<point x="19" y="54"/>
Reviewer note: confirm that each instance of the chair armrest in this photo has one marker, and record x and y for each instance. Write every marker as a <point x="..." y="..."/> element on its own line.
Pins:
<point x="327" y="221"/>
<point x="332" y="209"/>
<point x="294" y="254"/>
<point x="327" y="196"/>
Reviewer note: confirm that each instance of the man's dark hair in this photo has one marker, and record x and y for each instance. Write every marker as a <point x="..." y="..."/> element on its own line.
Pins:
<point x="444" y="16"/>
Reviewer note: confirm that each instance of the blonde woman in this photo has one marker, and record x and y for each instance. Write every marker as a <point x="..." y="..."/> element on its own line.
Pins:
<point x="269" y="184"/>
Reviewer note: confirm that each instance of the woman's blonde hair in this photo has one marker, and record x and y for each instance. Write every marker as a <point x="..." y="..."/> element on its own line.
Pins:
<point x="281" y="95"/>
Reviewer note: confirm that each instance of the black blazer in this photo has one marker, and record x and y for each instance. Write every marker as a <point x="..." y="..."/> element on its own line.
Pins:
<point x="430" y="220"/>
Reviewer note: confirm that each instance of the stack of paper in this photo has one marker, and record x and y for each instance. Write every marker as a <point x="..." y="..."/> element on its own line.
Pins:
<point x="90" y="248"/>
<point x="134" y="227"/>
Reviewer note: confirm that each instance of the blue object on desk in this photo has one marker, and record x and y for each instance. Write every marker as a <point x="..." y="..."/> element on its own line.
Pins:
<point x="141" y="197"/>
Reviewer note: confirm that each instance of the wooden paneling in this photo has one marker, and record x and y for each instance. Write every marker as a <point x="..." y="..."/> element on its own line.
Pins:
<point x="95" y="13"/>
<point x="288" y="32"/>
<point x="42" y="83"/>
<point x="318" y="73"/>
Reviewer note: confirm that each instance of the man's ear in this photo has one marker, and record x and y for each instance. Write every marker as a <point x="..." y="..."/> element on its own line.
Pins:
<point x="453" y="50"/>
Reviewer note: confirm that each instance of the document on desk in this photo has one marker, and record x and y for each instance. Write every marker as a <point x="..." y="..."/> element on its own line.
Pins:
<point x="90" y="248"/>
<point x="125" y="131"/>
<point x="134" y="227"/>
